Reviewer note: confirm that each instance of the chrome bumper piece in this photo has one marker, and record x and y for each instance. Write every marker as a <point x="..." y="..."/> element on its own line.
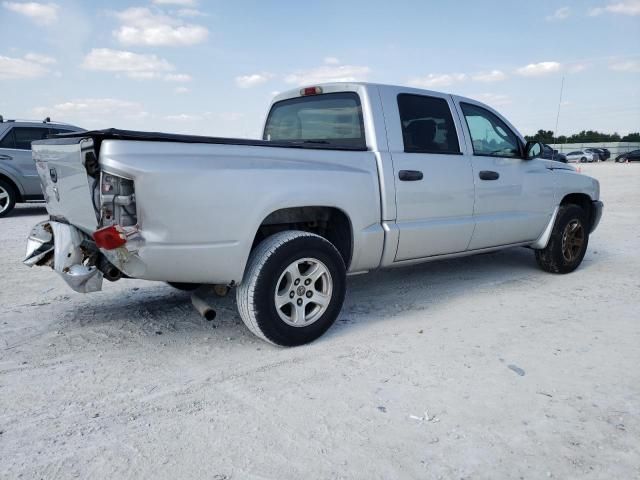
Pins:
<point x="59" y="246"/>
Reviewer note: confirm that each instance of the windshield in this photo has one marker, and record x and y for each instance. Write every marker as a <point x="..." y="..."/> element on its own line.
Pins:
<point x="329" y="119"/>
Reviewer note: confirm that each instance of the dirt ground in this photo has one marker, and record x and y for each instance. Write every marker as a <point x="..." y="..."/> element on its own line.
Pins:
<point x="484" y="367"/>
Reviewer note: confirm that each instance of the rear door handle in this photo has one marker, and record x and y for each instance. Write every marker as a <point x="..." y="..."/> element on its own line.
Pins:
<point x="410" y="175"/>
<point x="6" y="157"/>
<point x="489" y="175"/>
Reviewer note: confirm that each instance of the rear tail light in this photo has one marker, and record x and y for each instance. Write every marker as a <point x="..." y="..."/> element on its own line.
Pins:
<point x="110" y="238"/>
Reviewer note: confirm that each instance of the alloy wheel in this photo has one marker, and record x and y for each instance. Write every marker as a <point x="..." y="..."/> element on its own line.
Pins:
<point x="303" y="292"/>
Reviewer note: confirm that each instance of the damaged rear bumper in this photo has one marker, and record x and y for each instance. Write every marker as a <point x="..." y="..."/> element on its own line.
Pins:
<point x="68" y="251"/>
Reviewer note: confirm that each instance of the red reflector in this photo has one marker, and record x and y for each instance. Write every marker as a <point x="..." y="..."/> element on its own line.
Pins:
<point x="311" y="91"/>
<point x="110" y="237"/>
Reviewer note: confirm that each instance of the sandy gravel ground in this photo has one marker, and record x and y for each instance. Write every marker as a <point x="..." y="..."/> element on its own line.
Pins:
<point x="483" y="367"/>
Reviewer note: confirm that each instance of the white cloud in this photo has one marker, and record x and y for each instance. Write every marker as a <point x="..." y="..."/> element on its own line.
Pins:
<point x="630" y="66"/>
<point x="560" y="14"/>
<point x="177" y="77"/>
<point x="252" y="80"/>
<point x="493" y="99"/>
<point x="181" y="90"/>
<point x="539" y="69"/>
<point x="38" y="58"/>
<point x="437" y="80"/>
<point x="492" y="76"/>
<point x="140" y="26"/>
<point x="577" y="67"/>
<point x="191" y="12"/>
<point x="93" y="112"/>
<point x="331" y="60"/>
<point x="630" y="7"/>
<point x="329" y="73"/>
<point x="39" y="13"/>
<point x="183" y="117"/>
<point x="231" y="116"/>
<point x="134" y="65"/>
<point x="186" y="3"/>
<point x="16" y="68"/>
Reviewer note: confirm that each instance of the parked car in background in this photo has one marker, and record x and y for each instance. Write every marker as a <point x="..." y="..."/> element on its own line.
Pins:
<point x="598" y="151"/>
<point x="349" y="177"/>
<point x="551" y="154"/>
<point x="582" y="156"/>
<point x="606" y="154"/>
<point x="632" y="156"/>
<point x="19" y="181"/>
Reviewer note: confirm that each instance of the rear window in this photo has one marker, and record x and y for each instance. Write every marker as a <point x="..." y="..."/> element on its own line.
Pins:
<point x="329" y="119"/>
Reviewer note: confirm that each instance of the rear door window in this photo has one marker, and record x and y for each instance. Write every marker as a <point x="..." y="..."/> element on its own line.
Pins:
<point x="328" y="119"/>
<point x="8" y="140"/>
<point x="25" y="135"/>
<point x="427" y="125"/>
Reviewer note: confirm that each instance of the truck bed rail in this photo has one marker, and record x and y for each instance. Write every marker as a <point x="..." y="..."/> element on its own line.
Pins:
<point x="117" y="134"/>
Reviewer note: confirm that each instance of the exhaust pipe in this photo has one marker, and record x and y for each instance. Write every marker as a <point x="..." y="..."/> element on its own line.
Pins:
<point x="203" y="307"/>
<point x="109" y="270"/>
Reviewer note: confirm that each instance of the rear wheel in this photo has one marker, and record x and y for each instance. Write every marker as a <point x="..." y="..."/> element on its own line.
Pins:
<point x="293" y="288"/>
<point x="7" y="198"/>
<point x="568" y="242"/>
<point x="583" y="160"/>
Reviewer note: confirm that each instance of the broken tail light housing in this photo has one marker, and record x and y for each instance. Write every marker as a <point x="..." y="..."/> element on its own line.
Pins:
<point x="117" y="201"/>
<point x="110" y="238"/>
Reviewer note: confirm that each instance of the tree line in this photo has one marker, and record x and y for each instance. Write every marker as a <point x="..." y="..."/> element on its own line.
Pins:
<point x="585" y="136"/>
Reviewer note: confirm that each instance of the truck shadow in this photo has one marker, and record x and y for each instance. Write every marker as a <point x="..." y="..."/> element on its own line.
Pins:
<point x="28" y="210"/>
<point x="377" y="296"/>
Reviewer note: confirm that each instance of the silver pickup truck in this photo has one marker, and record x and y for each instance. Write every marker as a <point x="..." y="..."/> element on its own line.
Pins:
<point x="349" y="177"/>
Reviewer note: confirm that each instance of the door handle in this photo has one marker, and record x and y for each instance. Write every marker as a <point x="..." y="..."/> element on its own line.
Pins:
<point x="489" y="175"/>
<point x="6" y="157"/>
<point x="410" y="175"/>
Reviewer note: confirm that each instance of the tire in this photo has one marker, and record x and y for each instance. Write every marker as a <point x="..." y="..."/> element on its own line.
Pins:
<point x="583" y="160"/>
<point x="560" y="255"/>
<point x="185" y="287"/>
<point x="277" y="272"/>
<point x="8" y="198"/>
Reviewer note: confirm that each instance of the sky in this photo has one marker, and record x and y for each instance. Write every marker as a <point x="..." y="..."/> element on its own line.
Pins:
<point x="211" y="67"/>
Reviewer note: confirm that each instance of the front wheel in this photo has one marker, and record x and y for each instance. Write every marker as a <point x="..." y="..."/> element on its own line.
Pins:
<point x="568" y="242"/>
<point x="7" y="198"/>
<point x="583" y="160"/>
<point x="293" y="288"/>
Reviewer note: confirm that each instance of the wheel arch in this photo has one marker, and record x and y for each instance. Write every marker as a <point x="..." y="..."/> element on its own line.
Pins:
<point x="582" y="200"/>
<point x="331" y="223"/>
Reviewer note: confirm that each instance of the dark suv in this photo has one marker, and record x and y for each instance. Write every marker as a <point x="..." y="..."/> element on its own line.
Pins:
<point x="632" y="156"/>
<point x="19" y="181"/>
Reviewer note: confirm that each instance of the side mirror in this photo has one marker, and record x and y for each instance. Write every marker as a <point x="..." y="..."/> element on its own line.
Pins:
<point x="532" y="150"/>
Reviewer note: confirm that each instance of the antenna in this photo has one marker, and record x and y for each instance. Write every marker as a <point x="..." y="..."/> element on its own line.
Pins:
<point x="558" y="115"/>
